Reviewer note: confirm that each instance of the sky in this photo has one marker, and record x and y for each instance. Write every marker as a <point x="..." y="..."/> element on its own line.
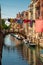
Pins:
<point x="9" y="8"/>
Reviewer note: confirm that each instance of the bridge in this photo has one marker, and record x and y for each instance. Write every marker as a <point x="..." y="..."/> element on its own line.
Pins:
<point x="2" y="36"/>
<point x="15" y="32"/>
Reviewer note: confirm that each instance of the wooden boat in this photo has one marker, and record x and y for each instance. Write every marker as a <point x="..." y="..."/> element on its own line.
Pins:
<point x="16" y="36"/>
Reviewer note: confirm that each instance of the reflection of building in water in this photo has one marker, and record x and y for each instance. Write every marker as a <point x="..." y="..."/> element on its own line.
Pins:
<point x="29" y="55"/>
<point x="41" y="54"/>
<point x="32" y="55"/>
<point x="25" y="51"/>
<point x="20" y="50"/>
<point x="38" y="51"/>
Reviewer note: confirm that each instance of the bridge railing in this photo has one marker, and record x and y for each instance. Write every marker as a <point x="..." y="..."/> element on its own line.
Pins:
<point x="15" y="32"/>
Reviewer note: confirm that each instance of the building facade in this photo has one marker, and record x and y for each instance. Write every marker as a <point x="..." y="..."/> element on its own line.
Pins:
<point x="36" y="9"/>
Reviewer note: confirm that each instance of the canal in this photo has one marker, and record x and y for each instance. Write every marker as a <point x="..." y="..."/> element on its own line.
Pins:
<point x="15" y="53"/>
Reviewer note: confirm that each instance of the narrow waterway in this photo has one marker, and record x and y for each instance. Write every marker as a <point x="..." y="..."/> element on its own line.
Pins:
<point x="15" y="54"/>
<point x="12" y="53"/>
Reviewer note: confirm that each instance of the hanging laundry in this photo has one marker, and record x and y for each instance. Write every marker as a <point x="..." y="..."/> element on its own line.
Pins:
<point x="31" y="23"/>
<point x="39" y="25"/>
<point x="26" y="21"/>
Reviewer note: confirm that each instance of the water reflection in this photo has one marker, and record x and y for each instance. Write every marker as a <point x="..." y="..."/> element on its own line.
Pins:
<point x="13" y="55"/>
<point x="32" y="55"/>
<point x="20" y="54"/>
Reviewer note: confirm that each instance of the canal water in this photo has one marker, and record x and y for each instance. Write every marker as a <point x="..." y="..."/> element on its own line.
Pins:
<point x="15" y="54"/>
